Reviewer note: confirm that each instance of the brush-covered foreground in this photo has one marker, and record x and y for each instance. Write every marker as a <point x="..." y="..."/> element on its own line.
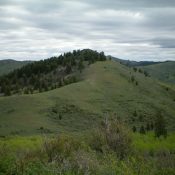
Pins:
<point x="102" y="151"/>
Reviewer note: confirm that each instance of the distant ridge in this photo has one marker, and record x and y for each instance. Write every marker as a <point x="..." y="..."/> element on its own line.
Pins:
<point x="163" y="71"/>
<point x="9" y="65"/>
<point x="135" y="63"/>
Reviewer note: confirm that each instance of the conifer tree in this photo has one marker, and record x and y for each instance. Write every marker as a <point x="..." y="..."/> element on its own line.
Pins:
<point x="142" y="130"/>
<point x="160" y="126"/>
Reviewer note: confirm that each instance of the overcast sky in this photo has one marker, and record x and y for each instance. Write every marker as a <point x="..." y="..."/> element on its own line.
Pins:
<point x="128" y="29"/>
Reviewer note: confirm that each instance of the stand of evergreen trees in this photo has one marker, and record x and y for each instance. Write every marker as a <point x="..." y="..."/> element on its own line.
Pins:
<point x="48" y="74"/>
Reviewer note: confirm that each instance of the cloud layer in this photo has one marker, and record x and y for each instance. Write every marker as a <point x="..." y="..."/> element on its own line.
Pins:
<point x="38" y="29"/>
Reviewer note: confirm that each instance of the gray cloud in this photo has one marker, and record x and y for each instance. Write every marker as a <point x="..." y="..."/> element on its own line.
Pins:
<point x="37" y="29"/>
<point x="165" y="42"/>
<point x="134" y="4"/>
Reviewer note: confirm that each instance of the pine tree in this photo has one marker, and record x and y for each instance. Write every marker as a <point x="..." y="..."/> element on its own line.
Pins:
<point x="160" y="128"/>
<point x="142" y="130"/>
<point x="7" y="91"/>
<point x="134" y="129"/>
<point x="148" y="128"/>
<point x="80" y="66"/>
<point x="152" y="126"/>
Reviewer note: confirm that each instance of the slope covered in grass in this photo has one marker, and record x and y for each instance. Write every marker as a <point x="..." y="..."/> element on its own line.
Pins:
<point x="107" y="88"/>
<point x="163" y="71"/>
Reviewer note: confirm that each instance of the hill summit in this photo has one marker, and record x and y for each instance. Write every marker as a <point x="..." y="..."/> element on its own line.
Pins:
<point x="48" y="74"/>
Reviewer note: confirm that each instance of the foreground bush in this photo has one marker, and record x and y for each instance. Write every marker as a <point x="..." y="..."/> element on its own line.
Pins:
<point x="108" y="151"/>
<point x="112" y="136"/>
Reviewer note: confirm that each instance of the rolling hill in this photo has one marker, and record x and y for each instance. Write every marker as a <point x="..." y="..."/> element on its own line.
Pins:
<point x="7" y="66"/>
<point x="107" y="88"/>
<point x="162" y="71"/>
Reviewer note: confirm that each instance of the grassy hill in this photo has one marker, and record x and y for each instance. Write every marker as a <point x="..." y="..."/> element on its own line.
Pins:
<point x="107" y="88"/>
<point x="7" y="66"/>
<point x="163" y="71"/>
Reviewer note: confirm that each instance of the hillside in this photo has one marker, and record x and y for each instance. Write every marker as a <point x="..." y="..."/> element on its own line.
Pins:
<point x="7" y="66"/>
<point x="163" y="71"/>
<point x="48" y="74"/>
<point x="107" y="88"/>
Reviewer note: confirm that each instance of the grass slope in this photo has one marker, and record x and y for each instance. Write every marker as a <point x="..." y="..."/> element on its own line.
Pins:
<point x="106" y="89"/>
<point x="163" y="71"/>
<point x="7" y="66"/>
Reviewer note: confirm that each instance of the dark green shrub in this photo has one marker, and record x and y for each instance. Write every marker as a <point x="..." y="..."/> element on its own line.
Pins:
<point x="146" y="73"/>
<point x="135" y="113"/>
<point x="60" y="148"/>
<point x="135" y="69"/>
<point x="54" y="110"/>
<point x="132" y="78"/>
<point x="140" y="71"/>
<point x="167" y="89"/>
<point x="98" y="141"/>
<point x="60" y="116"/>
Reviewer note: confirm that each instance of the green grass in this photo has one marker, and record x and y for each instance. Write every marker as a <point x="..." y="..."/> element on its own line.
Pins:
<point x="17" y="143"/>
<point x="148" y="142"/>
<point x="163" y="71"/>
<point x="143" y="143"/>
<point x="106" y="89"/>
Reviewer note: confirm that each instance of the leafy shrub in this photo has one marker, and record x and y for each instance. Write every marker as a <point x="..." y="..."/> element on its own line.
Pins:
<point x="57" y="149"/>
<point x="85" y="162"/>
<point x="114" y="136"/>
<point x="98" y="141"/>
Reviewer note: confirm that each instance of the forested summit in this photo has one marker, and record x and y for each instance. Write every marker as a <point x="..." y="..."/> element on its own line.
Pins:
<point x="48" y="74"/>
